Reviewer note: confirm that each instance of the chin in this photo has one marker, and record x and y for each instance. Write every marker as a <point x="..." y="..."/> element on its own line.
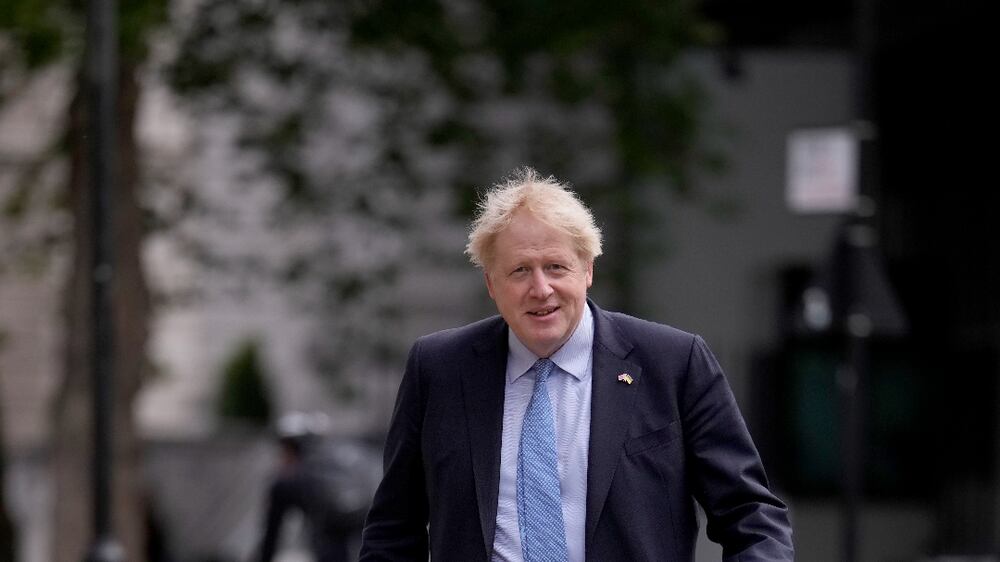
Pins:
<point x="550" y="343"/>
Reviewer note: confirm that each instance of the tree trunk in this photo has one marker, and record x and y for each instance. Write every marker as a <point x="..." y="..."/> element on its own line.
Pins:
<point x="72" y="439"/>
<point x="8" y="534"/>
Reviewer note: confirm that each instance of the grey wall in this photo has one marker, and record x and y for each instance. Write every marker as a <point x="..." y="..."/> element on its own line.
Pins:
<point x="717" y="274"/>
<point x="717" y="277"/>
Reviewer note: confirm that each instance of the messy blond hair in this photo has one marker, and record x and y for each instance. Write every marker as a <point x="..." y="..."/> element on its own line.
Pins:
<point x="548" y="200"/>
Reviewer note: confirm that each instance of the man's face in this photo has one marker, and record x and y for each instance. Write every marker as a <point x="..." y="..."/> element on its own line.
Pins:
<point x="538" y="282"/>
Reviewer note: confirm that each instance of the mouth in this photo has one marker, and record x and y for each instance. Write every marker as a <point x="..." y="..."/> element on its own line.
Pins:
<point x="543" y="312"/>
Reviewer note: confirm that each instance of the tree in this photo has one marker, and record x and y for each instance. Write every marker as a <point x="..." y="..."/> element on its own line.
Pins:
<point x="37" y="35"/>
<point x="605" y="100"/>
<point x="244" y="395"/>
<point x="8" y="536"/>
<point x="330" y="142"/>
<point x="361" y="112"/>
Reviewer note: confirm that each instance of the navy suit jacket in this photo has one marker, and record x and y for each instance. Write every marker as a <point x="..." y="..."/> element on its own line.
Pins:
<point x="672" y="437"/>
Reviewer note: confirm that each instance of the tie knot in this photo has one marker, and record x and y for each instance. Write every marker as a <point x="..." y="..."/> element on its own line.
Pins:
<point x="543" y="368"/>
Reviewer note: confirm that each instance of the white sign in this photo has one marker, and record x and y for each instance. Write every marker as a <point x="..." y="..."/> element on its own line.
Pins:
<point x="822" y="170"/>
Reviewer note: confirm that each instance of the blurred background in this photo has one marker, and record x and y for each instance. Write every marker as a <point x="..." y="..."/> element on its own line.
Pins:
<point x="295" y="182"/>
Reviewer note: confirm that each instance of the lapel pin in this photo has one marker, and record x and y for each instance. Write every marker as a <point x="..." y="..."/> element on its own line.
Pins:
<point x="625" y="378"/>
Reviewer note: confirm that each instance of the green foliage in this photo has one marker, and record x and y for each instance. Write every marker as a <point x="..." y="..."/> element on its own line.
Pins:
<point x="337" y="139"/>
<point x="244" y="394"/>
<point x="34" y="26"/>
<point x="619" y="55"/>
<point x="482" y="85"/>
<point x="568" y="62"/>
<point x="45" y="30"/>
<point x="35" y="34"/>
<point x="137" y="19"/>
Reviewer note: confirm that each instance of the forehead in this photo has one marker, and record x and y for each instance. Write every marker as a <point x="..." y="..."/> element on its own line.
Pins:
<point x="526" y="234"/>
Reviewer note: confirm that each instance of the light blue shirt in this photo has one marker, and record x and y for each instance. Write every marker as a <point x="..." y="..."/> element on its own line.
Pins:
<point x="569" y="390"/>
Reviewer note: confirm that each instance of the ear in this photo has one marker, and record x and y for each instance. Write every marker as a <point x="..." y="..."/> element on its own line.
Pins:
<point x="590" y="273"/>
<point x="489" y="283"/>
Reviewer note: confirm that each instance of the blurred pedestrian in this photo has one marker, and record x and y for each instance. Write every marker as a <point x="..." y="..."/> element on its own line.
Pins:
<point x="558" y="431"/>
<point x="325" y="481"/>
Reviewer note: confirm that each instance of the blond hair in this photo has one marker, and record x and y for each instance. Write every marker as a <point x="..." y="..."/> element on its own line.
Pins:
<point x="548" y="200"/>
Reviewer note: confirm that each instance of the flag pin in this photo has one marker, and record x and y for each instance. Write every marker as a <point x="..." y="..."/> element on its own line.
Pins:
<point x="625" y="378"/>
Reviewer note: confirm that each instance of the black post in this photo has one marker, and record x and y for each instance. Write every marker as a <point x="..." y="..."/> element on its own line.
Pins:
<point x="854" y="387"/>
<point x="860" y="240"/>
<point x="101" y="76"/>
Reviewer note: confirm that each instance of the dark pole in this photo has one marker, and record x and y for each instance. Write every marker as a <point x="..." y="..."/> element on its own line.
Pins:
<point x="853" y="386"/>
<point x="101" y="77"/>
<point x="861" y="237"/>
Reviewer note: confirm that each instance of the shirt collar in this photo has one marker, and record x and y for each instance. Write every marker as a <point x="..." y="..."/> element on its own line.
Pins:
<point x="573" y="357"/>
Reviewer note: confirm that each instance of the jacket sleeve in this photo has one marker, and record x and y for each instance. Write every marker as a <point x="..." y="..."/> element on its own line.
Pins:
<point x="396" y="526"/>
<point x="725" y="470"/>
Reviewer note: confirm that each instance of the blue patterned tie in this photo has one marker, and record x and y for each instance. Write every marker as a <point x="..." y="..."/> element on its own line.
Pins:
<point x="539" y="506"/>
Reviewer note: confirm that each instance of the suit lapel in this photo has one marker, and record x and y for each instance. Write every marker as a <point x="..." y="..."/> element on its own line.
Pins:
<point x="610" y="411"/>
<point x="483" y="393"/>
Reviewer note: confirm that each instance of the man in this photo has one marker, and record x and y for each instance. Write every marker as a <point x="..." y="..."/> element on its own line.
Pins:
<point x="324" y="481"/>
<point x="560" y="431"/>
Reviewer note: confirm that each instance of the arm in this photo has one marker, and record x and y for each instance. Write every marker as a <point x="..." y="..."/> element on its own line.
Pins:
<point x="396" y="526"/>
<point x="725" y="470"/>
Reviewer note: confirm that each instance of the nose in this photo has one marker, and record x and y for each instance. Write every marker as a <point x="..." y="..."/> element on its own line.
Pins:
<point x="540" y="288"/>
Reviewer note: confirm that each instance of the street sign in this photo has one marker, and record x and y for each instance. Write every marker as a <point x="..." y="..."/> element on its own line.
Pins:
<point x="822" y="170"/>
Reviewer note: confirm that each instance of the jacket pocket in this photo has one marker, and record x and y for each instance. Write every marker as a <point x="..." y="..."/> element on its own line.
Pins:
<point x="656" y="438"/>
